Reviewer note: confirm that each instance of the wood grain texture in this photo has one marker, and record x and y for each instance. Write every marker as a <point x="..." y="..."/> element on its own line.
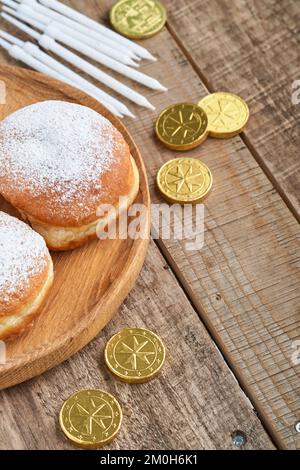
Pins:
<point x="90" y="283"/>
<point x="251" y="48"/>
<point x="29" y="412"/>
<point x="245" y="281"/>
<point x="194" y="404"/>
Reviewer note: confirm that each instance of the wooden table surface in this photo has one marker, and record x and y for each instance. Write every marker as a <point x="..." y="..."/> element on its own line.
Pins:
<point x="229" y="313"/>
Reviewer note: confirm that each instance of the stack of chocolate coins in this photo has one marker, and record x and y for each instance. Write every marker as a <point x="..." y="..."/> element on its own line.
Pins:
<point x="184" y="126"/>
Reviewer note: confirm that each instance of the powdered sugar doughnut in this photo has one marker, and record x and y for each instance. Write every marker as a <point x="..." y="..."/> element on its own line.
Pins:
<point x="26" y="275"/>
<point x="59" y="162"/>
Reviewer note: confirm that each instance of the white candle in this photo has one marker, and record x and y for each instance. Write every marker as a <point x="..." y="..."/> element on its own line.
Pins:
<point x="113" y="101"/>
<point x="139" y="77"/>
<point x="84" y="84"/>
<point x="78" y="27"/>
<point x="75" y="15"/>
<point x="50" y="44"/>
<point x="18" y="53"/>
<point x="54" y="32"/>
<point x="107" y="50"/>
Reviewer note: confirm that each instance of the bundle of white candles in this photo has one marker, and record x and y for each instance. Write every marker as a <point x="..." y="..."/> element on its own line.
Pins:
<point x="51" y="24"/>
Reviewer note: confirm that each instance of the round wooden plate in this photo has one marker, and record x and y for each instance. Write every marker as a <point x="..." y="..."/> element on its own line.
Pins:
<point x="90" y="282"/>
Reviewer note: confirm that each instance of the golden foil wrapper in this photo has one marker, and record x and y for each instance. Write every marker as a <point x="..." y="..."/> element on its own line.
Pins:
<point x="90" y="418"/>
<point x="138" y="19"/>
<point x="227" y="114"/>
<point x="135" y="355"/>
<point x="184" y="180"/>
<point x="182" y="126"/>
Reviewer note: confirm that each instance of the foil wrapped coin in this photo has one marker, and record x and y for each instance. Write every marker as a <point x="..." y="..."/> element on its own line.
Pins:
<point x="184" y="180"/>
<point x="135" y="355"/>
<point x="90" y="418"/>
<point x="138" y="19"/>
<point x="182" y="126"/>
<point x="227" y="114"/>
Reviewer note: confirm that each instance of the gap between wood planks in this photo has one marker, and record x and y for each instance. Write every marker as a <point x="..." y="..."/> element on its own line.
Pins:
<point x="243" y="137"/>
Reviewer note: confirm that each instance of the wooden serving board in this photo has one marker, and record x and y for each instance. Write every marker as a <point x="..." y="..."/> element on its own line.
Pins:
<point x="91" y="282"/>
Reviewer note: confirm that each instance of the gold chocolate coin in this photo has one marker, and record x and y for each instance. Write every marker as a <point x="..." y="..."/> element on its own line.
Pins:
<point x="135" y="355"/>
<point x="227" y="114"/>
<point x="182" y="126"/>
<point x="138" y="19"/>
<point x="90" y="418"/>
<point x="184" y="180"/>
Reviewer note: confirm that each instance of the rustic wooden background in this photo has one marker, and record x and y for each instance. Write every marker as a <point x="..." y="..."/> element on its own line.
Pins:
<point x="228" y="314"/>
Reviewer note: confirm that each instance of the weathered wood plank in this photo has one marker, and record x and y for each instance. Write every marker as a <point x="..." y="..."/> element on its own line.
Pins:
<point x="253" y="49"/>
<point x="195" y="403"/>
<point x="245" y="280"/>
<point x="250" y="260"/>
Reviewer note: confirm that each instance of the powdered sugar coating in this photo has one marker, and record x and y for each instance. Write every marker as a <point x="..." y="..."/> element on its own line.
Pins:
<point x="23" y="256"/>
<point x="58" y="151"/>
